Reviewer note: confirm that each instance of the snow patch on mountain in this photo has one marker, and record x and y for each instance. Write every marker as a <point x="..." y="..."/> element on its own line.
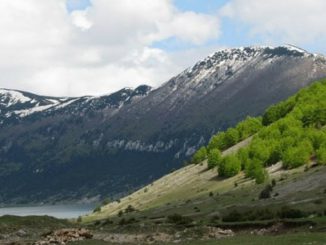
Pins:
<point x="10" y="97"/>
<point x="27" y="112"/>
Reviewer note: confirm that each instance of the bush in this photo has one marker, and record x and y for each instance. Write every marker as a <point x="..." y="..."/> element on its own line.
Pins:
<point x="97" y="209"/>
<point x="266" y="192"/>
<point x="199" y="156"/>
<point x="179" y="219"/>
<point x="250" y="215"/>
<point x="130" y="209"/>
<point x="230" y="166"/>
<point x="124" y="221"/>
<point x="233" y="216"/>
<point x="214" y="158"/>
<point x="289" y="213"/>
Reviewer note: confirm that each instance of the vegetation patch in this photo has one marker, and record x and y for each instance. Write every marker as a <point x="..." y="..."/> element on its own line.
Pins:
<point x="291" y="131"/>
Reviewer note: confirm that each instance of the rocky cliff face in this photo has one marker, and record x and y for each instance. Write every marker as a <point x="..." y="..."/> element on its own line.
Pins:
<point x="59" y="148"/>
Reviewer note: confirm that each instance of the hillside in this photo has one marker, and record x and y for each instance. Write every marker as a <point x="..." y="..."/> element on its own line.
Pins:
<point x="89" y="148"/>
<point x="293" y="187"/>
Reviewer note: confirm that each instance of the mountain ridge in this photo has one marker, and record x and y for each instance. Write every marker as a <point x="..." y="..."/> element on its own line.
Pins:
<point x="105" y="149"/>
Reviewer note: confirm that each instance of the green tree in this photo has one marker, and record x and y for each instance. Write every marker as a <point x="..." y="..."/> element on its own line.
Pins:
<point x="255" y="170"/>
<point x="249" y="126"/>
<point x="200" y="155"/>
<point x="275" y="153"/>
<point x="243" y="155"/>
<point x="214" y="158"/>
<point x="259" y="150"/>
<point x="230" y="166"/>
<point x="296" y="156"/>
<point x="231" y="137"/>
<point x="217" y="142"/>
<point x="278" y="111"/>
<point x="317" y="137"/>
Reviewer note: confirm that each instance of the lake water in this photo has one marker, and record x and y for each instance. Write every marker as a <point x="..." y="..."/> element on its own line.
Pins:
<point x="57" y="211"/>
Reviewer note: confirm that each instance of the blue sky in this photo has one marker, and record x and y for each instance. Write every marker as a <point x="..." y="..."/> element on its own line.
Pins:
<point x="77" y="4"/>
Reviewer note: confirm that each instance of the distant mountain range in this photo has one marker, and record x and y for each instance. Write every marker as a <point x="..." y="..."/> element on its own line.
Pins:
<point x="55" y="149"/>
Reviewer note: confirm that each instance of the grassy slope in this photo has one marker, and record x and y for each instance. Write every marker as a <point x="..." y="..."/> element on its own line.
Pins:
<point x="190" y="181"/>
<point x="186" y="191"/>
<point x="200" y="194"/>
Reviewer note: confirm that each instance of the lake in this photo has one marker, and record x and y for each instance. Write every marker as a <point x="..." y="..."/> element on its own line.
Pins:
<point x="57" y="211"/>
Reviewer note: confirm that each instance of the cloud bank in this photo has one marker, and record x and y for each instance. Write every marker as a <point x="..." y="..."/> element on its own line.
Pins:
<point x="300" y="22"/>
<point x="47" y="49"/>
<point x="111" y="44"/>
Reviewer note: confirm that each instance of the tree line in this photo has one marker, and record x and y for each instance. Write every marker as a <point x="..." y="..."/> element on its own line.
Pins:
<point x="291" y="132"/>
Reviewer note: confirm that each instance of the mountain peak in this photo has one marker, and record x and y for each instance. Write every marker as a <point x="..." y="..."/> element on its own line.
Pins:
<point x="231" y="59"/>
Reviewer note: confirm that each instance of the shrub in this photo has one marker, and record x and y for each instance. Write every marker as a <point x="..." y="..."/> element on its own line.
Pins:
<point x="214" y="158"/>
<point x="130" y="209"/>
<point x="266" y="192"/>
<point x="233" y="216"/>
<point x="179" y="219"/>
<point x="230" y="166"/>
<point x="124" y="221"/>
<point x="200" y="155"/>
<point x="252" y="215"/>
<point x="290" y="213"/>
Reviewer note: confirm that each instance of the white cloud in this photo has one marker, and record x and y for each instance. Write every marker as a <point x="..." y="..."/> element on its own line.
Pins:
<point x="80" y="20"/>
<point x="46" y="49"/>
<point x="294" y="21"/>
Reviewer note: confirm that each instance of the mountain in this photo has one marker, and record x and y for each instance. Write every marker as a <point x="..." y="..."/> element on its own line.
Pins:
<point x="57" y="149"/>
<point x="280" y="177"/>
